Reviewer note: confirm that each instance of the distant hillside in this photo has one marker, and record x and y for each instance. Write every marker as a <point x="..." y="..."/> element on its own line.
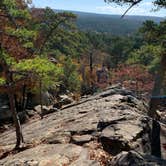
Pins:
<point x="111" y="23"/>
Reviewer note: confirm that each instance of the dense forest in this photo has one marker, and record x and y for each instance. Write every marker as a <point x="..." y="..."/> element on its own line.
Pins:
<point x="112" y="24"/>
<point x="63" y="53"/>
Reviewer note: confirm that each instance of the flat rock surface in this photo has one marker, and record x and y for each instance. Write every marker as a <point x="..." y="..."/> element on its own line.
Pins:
<point x="50" y="155"/>
<point x="115" y="119"/>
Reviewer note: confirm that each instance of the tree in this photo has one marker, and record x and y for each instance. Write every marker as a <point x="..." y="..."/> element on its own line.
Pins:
<point x="21" y="65"/>
<point x="152" y="54"/>
<point x="150" y="29"/>
<point x="155" y="37"/>
<point x="12" y="27"/>
<point x="147" y="55"/>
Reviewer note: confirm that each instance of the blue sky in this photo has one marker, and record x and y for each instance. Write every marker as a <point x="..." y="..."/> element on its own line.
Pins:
<point x="99" y="6"/>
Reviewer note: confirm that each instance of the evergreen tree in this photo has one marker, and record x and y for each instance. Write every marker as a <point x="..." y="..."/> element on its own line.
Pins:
<point x="21" y="65"/>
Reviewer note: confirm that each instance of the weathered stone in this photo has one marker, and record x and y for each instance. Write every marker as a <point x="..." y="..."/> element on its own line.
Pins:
<point x="31" y="113"/>
<point x="38" y="109"/>
<point x="114" y="119"/>
<point x="119" y="136"/>
<point x="50" y="155"/>
<point x="134" y="159"/>
<point x="45" y="109"/>
<point x="55" y="138"/>
<point x="65" y="100"/>
<point x="81" y="139"/>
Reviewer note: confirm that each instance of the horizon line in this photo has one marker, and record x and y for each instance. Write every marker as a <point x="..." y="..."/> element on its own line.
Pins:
<point x="89" y="12"/>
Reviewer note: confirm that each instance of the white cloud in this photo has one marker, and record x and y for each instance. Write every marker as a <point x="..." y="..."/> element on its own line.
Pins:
<point x="144" y="8"/>
<point x="116" y="10"/>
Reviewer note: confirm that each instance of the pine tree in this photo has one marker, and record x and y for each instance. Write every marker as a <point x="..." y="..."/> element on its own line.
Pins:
<point x="21" y="65"/>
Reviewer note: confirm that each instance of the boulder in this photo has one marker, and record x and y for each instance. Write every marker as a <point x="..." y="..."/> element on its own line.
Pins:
<point x="81" y="139"/>
<point x="31" y="113"/>
<point x="45" y="109"/>
<point x="65" y="99"/>
<point x="126" y="134"/>
<point x="34" y="99"/>
<point x="134" y="158"/>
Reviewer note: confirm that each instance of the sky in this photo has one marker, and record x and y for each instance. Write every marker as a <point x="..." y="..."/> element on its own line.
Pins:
<point x="99" y="6"/>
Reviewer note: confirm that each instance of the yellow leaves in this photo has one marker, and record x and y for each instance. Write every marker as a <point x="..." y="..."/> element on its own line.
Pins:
<point x="41" y="69"/>
<point x="2" y="81"/>
<point x="21" y="33"/>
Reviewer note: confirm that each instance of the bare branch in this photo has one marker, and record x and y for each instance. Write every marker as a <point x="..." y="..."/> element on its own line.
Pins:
<point x="133" y="4"/>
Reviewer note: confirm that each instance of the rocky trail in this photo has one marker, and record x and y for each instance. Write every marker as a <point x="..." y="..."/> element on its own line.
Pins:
<point x="109" y="128"/>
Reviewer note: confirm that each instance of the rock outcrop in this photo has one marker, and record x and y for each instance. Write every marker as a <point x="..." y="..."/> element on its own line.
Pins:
<point x="90" y="132"/>
<point x="134" y="158"/>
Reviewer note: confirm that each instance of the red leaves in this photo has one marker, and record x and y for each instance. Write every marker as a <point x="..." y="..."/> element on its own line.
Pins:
<point x="133" y="77"/>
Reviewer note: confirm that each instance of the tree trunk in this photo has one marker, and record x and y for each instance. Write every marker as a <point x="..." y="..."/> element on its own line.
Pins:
<point x="91" y="61"/>
<point x="41" y="101"/>
<point x="19" y="135"/>
<point x="91" y="69"/>
<point x="10" y="92"/>
<point x="158" y="86"/>
<point x="23" y="103"/>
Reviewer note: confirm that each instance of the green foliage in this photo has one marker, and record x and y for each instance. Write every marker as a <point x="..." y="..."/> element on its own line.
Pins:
<point x="9" y="3"/>
<point x="14" y="11"/>
<point x="153" y="47"/>
<point x="111" y="24"/>
<point x="69" y="43"/>
<point x="2" y="81"/>
<point x="22" y="33"/>
<point x="20" y="13"/>
<point x="71" y="79"/>
<point x="10" y="61"/>
<point x="117" y="47"/>
<point x="42" y="70"/>
<point x="148" y="55"/>
<point x="60" y="35"/>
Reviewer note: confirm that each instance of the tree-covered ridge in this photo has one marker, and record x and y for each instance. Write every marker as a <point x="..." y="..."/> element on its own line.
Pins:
<point x="111" y="23"/>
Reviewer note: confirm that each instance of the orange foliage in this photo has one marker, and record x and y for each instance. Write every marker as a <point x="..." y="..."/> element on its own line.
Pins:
<point x="9" y="42"/>
<point x="133" y="77"/>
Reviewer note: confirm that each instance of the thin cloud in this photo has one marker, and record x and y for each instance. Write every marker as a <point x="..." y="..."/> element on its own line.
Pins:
<point x="144" y="8"/>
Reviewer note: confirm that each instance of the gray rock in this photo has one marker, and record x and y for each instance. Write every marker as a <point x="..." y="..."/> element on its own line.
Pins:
<point x="34" y="99"/>
<point x="81" y="139"/>
<point x="133" y="158"/>
<point x="31" y="113"/>
<point x="116" y="121"/>
<point x="125" y="135"/>
<point x="58" y="137"/>
<point x="38" y="109"/>
<point x="45" y="109"/>
<point x="51" y="155"/>
<point x="65" y="100"/>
